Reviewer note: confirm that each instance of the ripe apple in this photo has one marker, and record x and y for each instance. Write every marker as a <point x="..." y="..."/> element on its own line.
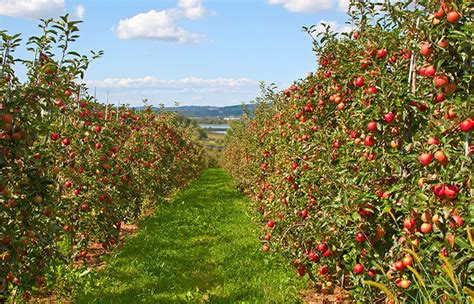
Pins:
<point x="452" y="17"/>
<point x="381" y="53"/>
<point x="441" y="81"/>
<point x="66" y="141"/>
<point x="467" y="124"/>
<point x="372" y="126"/>
<point x="327" y="253"/>
<point x="358" y="268"/>
<point x="270" y="223"/>
<point x="313" y="256"/>
<point x="359" y="82"/>
<point x="440" y="157"/>
<point x="404" y="284"/>
<point x="426" y="228"/>
<point x="322" y="247"/>
<point x="451" y="191"/>
<point x="398" y="265"/>
<point x="407" y="260"/>
<point x="360" y="237"/>
<point x="425" y="158"/>
<point x="323" y="270"/>
<point x="426" y="49"/>
<point x="439" y="190"/>
<point x="433" y="141"/>
<point x="409" y="223"/>
<point x="7" y="118"/>
<point x="389" y="117"/>
<point x="440" y="97"/>
<point x="429" y="71"/>
<point x="372" y="90"/>
<point x="369" y="141"/>
<point x="443" y="43"/>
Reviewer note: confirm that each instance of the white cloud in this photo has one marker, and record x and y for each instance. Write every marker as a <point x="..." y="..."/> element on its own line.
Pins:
<point x="161" y="25"/>
<point x="188" y="83"/>
<point x="343" y="5"/>
<point x="192" y="9"/>
<point x="189" y="90"/>
<point x="79" y="11"/>
<point x="31" y="8"/>
<point x="154" y="25"/>
<point x="298" y="6"/>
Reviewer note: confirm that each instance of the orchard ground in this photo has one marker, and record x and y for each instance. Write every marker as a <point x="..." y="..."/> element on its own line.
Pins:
<point x="201" y="247"/>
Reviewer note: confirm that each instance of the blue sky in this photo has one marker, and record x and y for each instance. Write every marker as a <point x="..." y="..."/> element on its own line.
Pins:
<point x="195" y="52"/>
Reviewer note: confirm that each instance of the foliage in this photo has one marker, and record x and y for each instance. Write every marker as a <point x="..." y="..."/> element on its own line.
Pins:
<point x="72" y="170"/>
<point x="364" y="167"/>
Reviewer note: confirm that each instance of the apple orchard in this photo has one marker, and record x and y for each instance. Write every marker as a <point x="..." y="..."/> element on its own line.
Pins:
<point x="359" y="174"/>
<point x="362" y="171"/>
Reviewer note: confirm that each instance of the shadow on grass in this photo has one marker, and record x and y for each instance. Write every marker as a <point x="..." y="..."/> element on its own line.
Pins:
<point x="200" y="248"/>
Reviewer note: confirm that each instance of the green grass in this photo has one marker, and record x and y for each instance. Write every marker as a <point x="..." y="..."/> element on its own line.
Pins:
<point x="201" y="248"/>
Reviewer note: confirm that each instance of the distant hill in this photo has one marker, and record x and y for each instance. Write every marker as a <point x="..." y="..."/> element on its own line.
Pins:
<point x="209" y="111"/>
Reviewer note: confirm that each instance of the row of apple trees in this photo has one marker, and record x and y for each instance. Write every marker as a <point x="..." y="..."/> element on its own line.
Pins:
<point x="73" y="170"/>
<point x="362" y="171"/>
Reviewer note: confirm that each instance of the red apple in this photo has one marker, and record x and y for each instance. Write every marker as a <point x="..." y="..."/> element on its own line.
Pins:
<point x="389" y="117"/>
<point x="467" y="124"/>
<point x="433" y="141"/>
<point x="322" y="247"/>
<point x="426" y="49"/>
<point x="451" y="191"/>
<point x="358" y="268"/>
<point x="323" y="270"/>
<point x="452" y="17"/>
<point x="360" y="237"/>
<point x="372" y="126"/>
<point x="398" y="265"/>
<point x="429" y="71"/>
<point x="426" y="228"/>
<point x="425" y="158"/>
<point x="381" y="53"/>
<point x="313" y="256"/>
<point x="66" y="141"/>
<point x="441" y="81"/>
<point x="369" y="141"/>
<point x="359" y="82"/>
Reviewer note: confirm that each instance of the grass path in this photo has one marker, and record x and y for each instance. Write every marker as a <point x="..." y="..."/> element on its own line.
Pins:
<point x="201" y="248"/>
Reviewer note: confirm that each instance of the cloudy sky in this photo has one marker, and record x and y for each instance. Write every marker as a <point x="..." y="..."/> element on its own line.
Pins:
<point x="195" y="52"/>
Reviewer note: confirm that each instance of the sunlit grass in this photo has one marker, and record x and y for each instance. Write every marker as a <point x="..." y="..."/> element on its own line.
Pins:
<point x="203" y="247"/>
